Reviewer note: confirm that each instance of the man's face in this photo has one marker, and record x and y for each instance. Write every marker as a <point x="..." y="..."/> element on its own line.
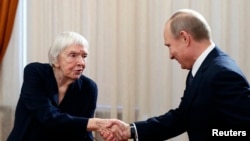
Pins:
<point x="177" y="48"/>
<point x="71" y="61"/>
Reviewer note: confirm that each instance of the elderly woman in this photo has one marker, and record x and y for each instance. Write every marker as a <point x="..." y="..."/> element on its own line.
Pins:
<point x="57" y="102"/>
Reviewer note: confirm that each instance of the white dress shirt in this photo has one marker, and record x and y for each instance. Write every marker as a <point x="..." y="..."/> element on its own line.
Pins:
<point x="201" y="58"/>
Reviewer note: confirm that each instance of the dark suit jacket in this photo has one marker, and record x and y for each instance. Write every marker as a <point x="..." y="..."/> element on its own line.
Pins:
<point x="219" y="98"/>
<point x="38" y="116"/>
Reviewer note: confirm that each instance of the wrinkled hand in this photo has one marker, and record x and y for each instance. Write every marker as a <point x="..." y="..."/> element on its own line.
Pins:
<point x="101" y="126"/>
<point x="117" y="130"/>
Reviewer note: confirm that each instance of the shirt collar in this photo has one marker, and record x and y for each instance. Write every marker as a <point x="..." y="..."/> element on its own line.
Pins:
<point x="201" y="58"/>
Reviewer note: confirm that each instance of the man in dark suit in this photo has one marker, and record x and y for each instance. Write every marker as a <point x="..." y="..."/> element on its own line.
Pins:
<point x="216" y="101"/>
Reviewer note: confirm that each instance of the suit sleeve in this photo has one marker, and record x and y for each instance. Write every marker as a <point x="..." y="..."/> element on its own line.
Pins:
<point x="162" y="127"/>
<point x="34" y="96"/>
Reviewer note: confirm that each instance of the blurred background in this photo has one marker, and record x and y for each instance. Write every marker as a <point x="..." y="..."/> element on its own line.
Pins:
<point x="128" y="59"/>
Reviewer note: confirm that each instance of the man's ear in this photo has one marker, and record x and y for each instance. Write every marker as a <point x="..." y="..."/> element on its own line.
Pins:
<point x="185" y="37"/>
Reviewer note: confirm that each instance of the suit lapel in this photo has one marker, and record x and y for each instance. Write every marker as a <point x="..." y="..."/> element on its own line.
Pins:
<point x="191" y="91"/>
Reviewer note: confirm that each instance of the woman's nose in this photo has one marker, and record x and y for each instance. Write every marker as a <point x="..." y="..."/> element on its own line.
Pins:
<point x="80" y="60"/>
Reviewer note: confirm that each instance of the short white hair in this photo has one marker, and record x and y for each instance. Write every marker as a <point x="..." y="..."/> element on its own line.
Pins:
<point x="64" y="40"/>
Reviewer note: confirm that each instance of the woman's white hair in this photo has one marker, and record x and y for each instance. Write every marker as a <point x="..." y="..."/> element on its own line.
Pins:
<point x="64" y="40"/>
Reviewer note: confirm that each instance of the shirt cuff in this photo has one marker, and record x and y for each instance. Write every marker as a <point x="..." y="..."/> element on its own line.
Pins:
<point x="136" y="134"/>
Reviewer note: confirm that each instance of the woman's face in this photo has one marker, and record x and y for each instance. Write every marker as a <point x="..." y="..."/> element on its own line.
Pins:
<point x="71" y="61"/>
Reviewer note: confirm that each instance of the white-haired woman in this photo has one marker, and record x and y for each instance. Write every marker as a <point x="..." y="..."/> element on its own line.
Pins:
<point x="57" y="102"/>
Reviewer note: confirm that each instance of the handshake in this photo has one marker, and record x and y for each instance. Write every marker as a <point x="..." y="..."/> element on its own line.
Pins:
<point x="110" y="129"/>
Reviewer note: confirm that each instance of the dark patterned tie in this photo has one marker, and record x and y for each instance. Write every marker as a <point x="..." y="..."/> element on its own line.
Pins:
<point x="190" y="79"/>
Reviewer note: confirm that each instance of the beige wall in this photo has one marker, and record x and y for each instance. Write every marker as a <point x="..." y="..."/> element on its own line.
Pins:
<point x="128" y="60"/>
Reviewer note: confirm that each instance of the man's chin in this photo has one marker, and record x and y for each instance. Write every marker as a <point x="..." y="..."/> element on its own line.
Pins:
<point x="183" y="67"/>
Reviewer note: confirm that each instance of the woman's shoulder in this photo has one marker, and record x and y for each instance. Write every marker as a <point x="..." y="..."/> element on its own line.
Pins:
<point x="37" y="66"/>
<point x="86" y="82"/>
<point x="86" y="79"/>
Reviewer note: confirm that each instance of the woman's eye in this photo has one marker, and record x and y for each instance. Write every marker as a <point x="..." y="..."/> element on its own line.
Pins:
<point x="72" y="55"/>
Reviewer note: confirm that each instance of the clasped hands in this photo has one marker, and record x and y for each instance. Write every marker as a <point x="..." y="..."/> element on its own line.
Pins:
<point x="110" y="129"/>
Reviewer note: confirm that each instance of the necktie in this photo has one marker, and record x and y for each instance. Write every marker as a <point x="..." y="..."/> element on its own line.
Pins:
<point x="190" y="79"/>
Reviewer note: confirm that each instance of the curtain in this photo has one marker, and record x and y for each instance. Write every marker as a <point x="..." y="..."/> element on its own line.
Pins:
<point x="7" y="17"/>
<point x="128" y="59"/>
